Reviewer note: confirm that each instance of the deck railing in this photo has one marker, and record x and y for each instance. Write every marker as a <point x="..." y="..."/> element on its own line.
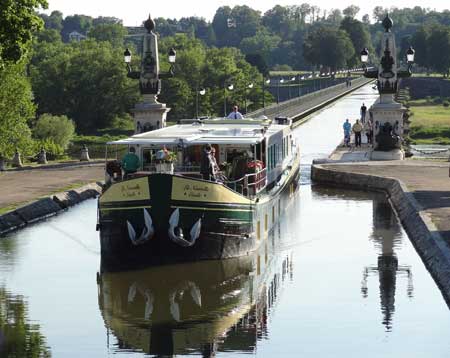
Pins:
<point x="250" y="184"/>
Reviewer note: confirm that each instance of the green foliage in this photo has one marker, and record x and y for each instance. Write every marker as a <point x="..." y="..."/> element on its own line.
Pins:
<point x="58" y="129"/>
<point x="113" y="33"/>
<point x="328" y="46"/>
<point x="85" y="81"/>
<point x="18" y="21"/>
<point x="16" y="108"/>
<point x="359" y="35"/>
<point x="53" y="150"/>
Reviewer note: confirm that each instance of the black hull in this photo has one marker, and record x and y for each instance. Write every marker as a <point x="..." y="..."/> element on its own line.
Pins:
<point x="228" y="229"/>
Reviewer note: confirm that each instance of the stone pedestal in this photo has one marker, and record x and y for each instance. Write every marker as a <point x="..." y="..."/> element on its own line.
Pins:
<point x="42" y="159"/>
<point x="149" y="115"/>
<point x="386" y="110"/>
<point x="396" y="154"/>
<point x="17" y="161"/>
<point x="84" y="155"/>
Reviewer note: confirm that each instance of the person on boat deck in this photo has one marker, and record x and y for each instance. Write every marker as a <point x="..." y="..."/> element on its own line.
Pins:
<point x="130" y="162"/>
<point x="235" y="114"/>
<point x="206" y="164"/>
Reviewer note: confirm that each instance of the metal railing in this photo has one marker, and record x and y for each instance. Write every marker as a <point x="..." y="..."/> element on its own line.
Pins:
<point x="250" y="184"/>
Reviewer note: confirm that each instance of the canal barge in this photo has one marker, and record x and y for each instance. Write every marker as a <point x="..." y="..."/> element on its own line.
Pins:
<point x="167" y="212"/>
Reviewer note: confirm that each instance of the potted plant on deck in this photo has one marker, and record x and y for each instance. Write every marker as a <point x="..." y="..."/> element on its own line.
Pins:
<point x="164" y="161"/>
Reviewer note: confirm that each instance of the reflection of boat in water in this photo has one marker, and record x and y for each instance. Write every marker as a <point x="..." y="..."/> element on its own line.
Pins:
<point x="198" y="307"/>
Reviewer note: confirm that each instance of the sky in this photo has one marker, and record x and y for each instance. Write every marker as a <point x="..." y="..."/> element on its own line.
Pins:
<point x="134" y="12"/>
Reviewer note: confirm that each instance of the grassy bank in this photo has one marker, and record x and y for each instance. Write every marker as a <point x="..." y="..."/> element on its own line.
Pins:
<point x="430" y="123"/>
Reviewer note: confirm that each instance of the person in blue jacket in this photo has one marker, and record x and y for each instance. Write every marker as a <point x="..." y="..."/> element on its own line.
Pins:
<point x="347" y="131"/>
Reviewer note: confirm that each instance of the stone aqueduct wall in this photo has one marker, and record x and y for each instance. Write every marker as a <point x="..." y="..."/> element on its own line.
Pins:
<point x="45" y="208"/>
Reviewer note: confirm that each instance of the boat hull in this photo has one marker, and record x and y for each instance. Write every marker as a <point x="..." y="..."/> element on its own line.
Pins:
<point x="231" y="224"/>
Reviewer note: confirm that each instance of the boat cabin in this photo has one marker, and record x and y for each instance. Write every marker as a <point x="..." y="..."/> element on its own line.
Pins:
<point x="251" y="154"/>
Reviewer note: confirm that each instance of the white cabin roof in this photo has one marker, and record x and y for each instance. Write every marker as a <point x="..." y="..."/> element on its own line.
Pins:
<point x="213" y="131"/>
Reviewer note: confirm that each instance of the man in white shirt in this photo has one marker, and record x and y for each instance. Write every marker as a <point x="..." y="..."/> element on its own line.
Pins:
<point x="235" y="114"/>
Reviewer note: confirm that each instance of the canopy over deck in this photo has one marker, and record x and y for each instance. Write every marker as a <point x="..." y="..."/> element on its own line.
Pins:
<point x="217" y="131"/>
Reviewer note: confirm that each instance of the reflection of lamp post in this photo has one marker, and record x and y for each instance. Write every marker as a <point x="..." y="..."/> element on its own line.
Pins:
<point x="226" y="87"/>
<point x="201" y="92"/>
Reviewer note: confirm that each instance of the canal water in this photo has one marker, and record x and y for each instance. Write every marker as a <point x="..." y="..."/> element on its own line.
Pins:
<point x="337" y="277"/>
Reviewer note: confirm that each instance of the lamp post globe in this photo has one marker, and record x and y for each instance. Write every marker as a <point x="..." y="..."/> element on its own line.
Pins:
<point x="127" y="56"/>
<point x="410" y="53"/>
<point x="364" y="55"/>
<point x="172" y="55"/>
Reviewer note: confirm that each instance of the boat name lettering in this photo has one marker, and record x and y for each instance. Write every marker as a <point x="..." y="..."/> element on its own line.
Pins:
<point x="129" y="191"/>
<point x="195" y="191"/>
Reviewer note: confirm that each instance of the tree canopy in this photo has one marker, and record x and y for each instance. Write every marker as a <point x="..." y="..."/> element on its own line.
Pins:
<point x="18" y="20"/>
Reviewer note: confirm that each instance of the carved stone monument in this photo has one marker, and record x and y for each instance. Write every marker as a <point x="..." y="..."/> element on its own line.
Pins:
<point x="386" y="114"/>
<point x="149" y="114"/>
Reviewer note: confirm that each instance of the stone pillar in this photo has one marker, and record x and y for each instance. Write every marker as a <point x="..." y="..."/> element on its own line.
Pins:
<point x="387" y="114"/>
<point x="84" y="157"/>
<point x="17" y="161"/>
<point x="42" y="159"/>
<point x="149" y="115"/>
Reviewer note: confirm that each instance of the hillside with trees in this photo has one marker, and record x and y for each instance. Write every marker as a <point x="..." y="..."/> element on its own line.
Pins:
<point x="70" y="71"/>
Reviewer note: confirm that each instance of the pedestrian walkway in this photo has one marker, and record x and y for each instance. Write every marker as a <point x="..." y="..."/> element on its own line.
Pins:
<point x="352" y="153"/>
<point x="21" y="187"/>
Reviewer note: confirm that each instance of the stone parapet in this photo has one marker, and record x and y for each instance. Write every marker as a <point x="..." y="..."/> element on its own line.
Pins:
<point x="47" y="207"/>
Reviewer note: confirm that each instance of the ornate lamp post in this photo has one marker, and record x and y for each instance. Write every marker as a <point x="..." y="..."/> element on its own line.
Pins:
<point x="264" y="83"/>
<point x="226" y="87"/>
<point x="387" y="114"/>
<point x="201" y="92"/>
<point x="150" y="114"/>
<point x="249" y="86"/>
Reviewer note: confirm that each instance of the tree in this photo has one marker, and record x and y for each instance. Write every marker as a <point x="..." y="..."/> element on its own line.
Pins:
<point x="420" y="43"/>
<point x="328" y="47"/>
<point x="85" y="81"/>
<point x="351" y="11"/>
<point x="359" y="35"/>
<point x="16" y="109"/>
<point x="439" y="49"/>
<point x="113" y="33"/>
<point x="78" y="23"/>
<point x="379" y="13"/>
<point x="58" y="129"/>
<point x="18" y="21"/>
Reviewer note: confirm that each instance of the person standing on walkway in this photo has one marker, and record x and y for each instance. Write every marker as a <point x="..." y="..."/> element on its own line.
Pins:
<point x="363" y="113"/>
<point x="235" y="114"/>
<point x="347" y="131"/>
<point x="368" y="129"/>
<point x="357" y="129"/>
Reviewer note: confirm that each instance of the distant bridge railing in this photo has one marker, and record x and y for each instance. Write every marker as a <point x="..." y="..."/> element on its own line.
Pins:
<point x="295" y="106"/>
